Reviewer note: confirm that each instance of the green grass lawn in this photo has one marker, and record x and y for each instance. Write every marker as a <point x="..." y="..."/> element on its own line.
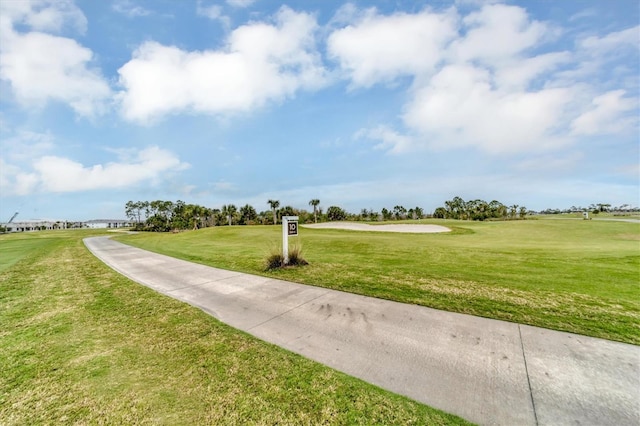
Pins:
<point x="572" y="275"/>
<point x="81" y="344"/>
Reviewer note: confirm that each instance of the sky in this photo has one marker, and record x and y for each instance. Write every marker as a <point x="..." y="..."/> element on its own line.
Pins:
<point x="358" y="104"/>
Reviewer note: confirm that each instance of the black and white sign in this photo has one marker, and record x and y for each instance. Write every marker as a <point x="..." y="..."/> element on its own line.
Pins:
<point x="292" y="228"/>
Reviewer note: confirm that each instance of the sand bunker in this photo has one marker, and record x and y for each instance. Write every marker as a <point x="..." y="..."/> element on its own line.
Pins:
<point x="355" y="226"/>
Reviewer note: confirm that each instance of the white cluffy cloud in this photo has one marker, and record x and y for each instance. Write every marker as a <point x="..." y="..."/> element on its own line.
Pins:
<point x="486" y="80"/>
<point x="459" y="107"/>
<point x="261" y="62"/>
<point x="42" y="67"/>
<point x="52" y="173"/>
<point x="377" y="48"/>
<point x="43" y="15"/>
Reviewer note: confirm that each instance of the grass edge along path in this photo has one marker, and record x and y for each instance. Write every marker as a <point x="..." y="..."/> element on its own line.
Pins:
<point x="83" y="344"/>
<point x="570" y="275"/>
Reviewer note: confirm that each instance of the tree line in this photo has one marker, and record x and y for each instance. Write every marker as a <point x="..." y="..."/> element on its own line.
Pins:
<point x="165" y="216"/>
<point x="457" y="208"/>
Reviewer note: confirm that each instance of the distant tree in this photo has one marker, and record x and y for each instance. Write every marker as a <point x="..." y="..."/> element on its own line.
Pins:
<point x="478" y="210"/>
<point x="386" y="214"/>
<point x="247" y="214"/>
<point x="315" y="202"/>
<point x="288" y="211"/>
<point x="207" y="217"/>
<point x="418" y="212"/>
<point x="129" y="211"/>
<point x="399" y="212"/>
<point x="219" y="218"/>
<point x="157" y="223"/>
<point x="440" y="213"/>
<point x="523" y="212"/>
<point x="193" y="215"/>
<point x="229" y="211"/>
<point x="180" y="216"/>
<point x="133" y="211"/>
<point x="274" y="205"/>
<point x="264" y="217"/>
<point x="512" y="211"/>
<point x="497" y="210"/>
<point x="335" y="213"/>
<point x="456" y="208"/>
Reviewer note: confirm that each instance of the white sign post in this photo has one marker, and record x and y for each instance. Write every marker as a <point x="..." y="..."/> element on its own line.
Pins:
<point x="289" y="227"/>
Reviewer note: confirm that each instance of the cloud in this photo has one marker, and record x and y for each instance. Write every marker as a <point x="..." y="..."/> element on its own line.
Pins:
<point x="584" y="14"/>
<point x="27" y="144"/>
<point x="379" y="48"/>
<point x="629" y="170"/>
<point x="129" y="9"/>
<point x="240" y="3"/>
<point x="261" y="63"/>
<point x="388" y="139"/>
<point x="608" y="115"/>
<point x="59" y="174"/>
<point x="549" y="164"/>
<point x="519" y="75"/>
<point x="213" y="12"/>
<point x="14" y="181"/>
<point x="497" y="33"/>
<point x="612" y="42"/>
<point x="41" y="67"/>
<point x="224" y="186"/>
<point x="486" y="80"/>
<point x="459" y="107"/>
<point x="42" y="15"/>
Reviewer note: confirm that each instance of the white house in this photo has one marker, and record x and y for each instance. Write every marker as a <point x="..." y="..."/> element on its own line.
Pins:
<point x="107" y="223"/>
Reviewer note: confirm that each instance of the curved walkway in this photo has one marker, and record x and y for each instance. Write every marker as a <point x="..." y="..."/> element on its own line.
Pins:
<point x="487" y="371"/>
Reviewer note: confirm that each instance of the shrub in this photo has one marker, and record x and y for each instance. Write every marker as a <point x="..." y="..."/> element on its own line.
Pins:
<point x="295" y="256"/>
<point x="275" y="259"/>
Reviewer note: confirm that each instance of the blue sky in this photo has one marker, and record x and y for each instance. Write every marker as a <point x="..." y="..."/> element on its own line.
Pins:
<point x="360" y="104"/>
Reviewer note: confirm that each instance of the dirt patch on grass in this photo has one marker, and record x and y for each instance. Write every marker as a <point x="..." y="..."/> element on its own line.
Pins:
<point x="403" y="227"/>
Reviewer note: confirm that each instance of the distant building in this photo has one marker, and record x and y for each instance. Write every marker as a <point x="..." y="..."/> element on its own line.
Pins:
<point x="107" y="223"/>
<point x="34" y="225"/>
<point x="48" y="225"/>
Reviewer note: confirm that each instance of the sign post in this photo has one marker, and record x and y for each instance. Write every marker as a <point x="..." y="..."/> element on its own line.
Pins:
<point x="289" y="227"/>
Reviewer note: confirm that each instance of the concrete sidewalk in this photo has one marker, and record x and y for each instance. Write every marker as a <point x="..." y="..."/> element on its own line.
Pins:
<point x="487" y="371"/>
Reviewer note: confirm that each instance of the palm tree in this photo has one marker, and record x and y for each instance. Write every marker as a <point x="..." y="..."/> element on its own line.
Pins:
<point x="229" y="211"/>
<point x="247" y="214"/>
<point x="523" y="212"/>
<point x="514" y="209"/>
<point x="274" y="205"/>
<point x="315" y="203"/>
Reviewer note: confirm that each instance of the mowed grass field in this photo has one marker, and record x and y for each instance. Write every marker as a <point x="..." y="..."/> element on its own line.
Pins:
<point x="81" y="344"/>
<point x="571" y="275"/>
